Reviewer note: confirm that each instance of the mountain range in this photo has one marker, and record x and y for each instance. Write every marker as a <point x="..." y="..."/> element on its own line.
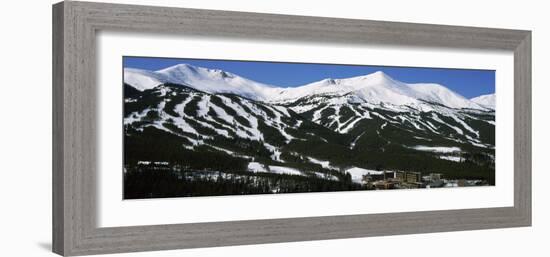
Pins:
<point x="213" y="119"/>
<point x="377" y="87"/>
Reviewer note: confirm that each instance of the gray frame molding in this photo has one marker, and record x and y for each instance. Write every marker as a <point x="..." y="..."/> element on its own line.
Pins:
<point x="75" y="25"/>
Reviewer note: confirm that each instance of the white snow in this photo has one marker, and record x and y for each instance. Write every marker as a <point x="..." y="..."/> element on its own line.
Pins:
<point x="451" y="158"/>
<point x="317" y="114"/>
<point x="183" y="125"/>
<point x="375" y="88"/>
<point x="220" y="113"/>
<point x="378" y="87"/>
<point x="303" y="108"/>
<point x="135" y="116"/>
<point x="222" y="150"/>
<point x="442" y="95"/>
<point x="412" y="122"/>
<point x="436" y="118"/>
<point x="478" y="144"/>
<point x="350" y="125"/>
<point x="475" y="118"/>
<point x="326" y="176"/>
<point x="432" y="126"/>
<point x="203" y="79"/>
<point x="256" y="167"/>
<point x="384" y="118"/>
<point x="466" y="126"/>
<point x="324" y="164"/>
<point x="352" y="145"/>
<point x="281" y="109"/>
<point x="485" y="100"/>
<point x="253" y="121"/>
<point x="284" y="170"/>
<point x="358" y="173"/>
<point x="203" y="106"/>
<point x="437" y="149"/>
<point x="276" y="123"/>
<point x="143" y="79"/>
<point x="276" y="153"/>
<point x="428" y="125"/>
<point x="422" y="138"/>
<point x="178" y="108"/>
<point x="336" y="117"/>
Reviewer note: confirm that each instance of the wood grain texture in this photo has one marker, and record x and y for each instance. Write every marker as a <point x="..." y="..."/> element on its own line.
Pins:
<point x="522" y="128"/>
<point x="75" y="25"/>
<point x="58" y="191"/>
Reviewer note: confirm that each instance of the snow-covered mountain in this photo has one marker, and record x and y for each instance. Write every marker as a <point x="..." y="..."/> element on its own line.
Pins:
<point x="197" y="117"/>
<point x="374" y="88"/>
<point x="329" y="126"/>
<point x="379" y="88"/>
<point x="203" y="79"/>
<point x="485" y="100"/>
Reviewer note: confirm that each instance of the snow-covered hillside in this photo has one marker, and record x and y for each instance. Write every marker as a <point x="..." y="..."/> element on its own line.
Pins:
<point x="379" y="88"/>
<point x="203" y="79"/>
<point x="485" y="100"/>
<point x="143" y="79"/>
<point x="375" y="88"/>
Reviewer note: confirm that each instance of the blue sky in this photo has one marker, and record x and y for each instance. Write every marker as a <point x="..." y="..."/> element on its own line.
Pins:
<point x="469" y="83"/>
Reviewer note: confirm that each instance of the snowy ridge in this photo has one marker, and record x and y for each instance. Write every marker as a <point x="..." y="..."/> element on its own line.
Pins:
<point x="203" y="79"/>
<point x="379" y="88"/>
<point x="485" y="100"/>
<point x="373" y="88"/>
<point x="143" y="79"/>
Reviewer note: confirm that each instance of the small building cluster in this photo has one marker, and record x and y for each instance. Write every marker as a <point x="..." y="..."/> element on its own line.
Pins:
<point x="410" y="180"/>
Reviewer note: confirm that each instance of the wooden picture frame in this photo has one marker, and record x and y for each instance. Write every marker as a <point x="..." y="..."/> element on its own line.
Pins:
<point x="75" y="25"/>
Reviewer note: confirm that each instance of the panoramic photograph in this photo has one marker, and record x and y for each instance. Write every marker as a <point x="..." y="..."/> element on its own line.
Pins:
<point x="198" y="127"/>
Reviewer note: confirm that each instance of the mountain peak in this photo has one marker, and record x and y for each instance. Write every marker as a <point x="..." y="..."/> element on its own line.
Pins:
<point x="182" y="67"/>
<point x="375" y="78"/>
<point x="379" y="76"/>
<point x="329" y="81"/>
<point x="221" y="73"/>
<point x="189" y="70"/>
<point x="488" y="100"/>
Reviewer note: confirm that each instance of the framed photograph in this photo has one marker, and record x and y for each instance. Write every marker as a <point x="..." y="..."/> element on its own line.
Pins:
<point x="182" y="128"/>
